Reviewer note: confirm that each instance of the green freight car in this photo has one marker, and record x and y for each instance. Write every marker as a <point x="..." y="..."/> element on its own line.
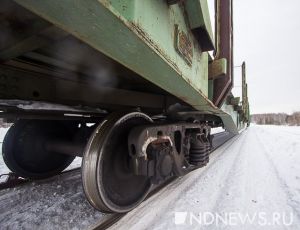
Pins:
<point x="129" y="85"/>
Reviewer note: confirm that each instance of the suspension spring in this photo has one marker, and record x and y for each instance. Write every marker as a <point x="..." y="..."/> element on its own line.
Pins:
<point x="199" y="150"/>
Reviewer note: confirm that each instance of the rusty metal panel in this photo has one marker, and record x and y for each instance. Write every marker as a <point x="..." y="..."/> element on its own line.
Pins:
<point x="183" y="45"/>
<point x="223" y="86"/>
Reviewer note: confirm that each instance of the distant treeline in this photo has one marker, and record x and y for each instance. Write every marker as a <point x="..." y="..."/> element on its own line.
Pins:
<point x="276" y="119"/>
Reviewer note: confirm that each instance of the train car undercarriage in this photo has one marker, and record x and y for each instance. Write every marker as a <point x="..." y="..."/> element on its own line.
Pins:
<point x="83" y="78"/>
<point x="126" y="154"/>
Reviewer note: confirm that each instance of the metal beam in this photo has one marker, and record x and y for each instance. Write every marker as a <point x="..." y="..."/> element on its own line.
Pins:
<point x="43" y="38"/>
<point x="217" y="69"/>
<point x="16" y="83"/>
<point x="223" y="86"/>
<point x="98" y="24"/>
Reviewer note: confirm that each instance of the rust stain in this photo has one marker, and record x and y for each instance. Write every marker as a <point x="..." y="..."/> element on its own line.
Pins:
<point x="183" y="46"/>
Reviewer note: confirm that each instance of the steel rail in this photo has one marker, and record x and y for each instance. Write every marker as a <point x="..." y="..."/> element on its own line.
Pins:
<point x="109" y="220"/>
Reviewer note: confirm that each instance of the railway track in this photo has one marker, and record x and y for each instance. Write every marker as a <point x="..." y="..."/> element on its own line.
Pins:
<point x="14" y="180"/>
<point x="108" y="220"/>
<point x="218" y="140"/>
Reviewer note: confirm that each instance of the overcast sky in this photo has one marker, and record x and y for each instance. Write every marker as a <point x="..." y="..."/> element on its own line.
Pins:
<point x="267" y="37"/>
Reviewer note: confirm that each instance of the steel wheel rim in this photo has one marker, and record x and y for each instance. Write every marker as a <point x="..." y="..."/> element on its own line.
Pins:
<point x="94" y="177"/>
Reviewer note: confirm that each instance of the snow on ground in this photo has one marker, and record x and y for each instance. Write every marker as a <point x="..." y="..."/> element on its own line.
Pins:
<point x="75" y="164"/>
<point x="256" y="174"/>
<point x="56" y="203"/>
<point x="3" y="168"/>
<point x="217" y="130"/>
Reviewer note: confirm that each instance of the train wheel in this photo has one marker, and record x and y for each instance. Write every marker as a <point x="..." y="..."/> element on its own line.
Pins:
<point x="108" y="182"/>
<point x="24" y="150"/>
